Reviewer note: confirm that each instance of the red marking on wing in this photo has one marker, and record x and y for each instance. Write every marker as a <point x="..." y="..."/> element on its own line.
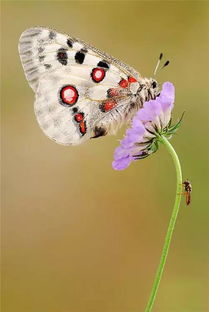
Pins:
<point x="123" y="83"/>
<point x="79" y="117"/>
<point x="69" y="95"/>
<point x="108" y="105"/>
<point x="98" y="74"/>
<point x="131" y="79"/>
<point x="113" y="92"/>
<point x="82" y="126"/>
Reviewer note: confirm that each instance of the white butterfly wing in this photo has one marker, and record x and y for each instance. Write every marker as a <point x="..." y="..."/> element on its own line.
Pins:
<point x="71" y="80"/>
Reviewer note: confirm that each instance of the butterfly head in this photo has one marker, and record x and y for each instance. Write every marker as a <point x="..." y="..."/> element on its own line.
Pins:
<point x="149" y="89"/>
<point x="153" y="88"/>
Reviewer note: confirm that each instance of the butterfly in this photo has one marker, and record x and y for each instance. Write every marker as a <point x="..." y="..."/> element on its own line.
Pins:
<point x="80" y="91"/>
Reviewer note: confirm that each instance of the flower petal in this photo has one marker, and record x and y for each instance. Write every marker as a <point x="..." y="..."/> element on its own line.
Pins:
<point x="138" y="126"/>
<point x="141" y="139"/>
<point x="146" y="115"/>
<point x="167" y="96"/>
<point x="121" y="152"/>
<point x="121" y="164"/>
<point x="127" y="142"/>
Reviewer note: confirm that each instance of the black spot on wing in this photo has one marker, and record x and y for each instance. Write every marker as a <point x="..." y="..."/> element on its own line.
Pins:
<point x="47" y="66"/>
<point x="62" y="56"/>
<point x="69" y="43"/>
<point x="80" y="56"/>
<point x="41" y="58"/>
<point x="103" y="64"/>
<point x="40" y="49"/>
<point x="75" y="110"/>
<point x="52" y="35"/>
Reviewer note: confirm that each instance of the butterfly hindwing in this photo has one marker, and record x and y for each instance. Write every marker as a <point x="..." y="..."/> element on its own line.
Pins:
<point x="76" y="85"/>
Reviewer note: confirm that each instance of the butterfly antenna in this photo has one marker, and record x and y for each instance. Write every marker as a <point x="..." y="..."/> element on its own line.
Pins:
<point x="158" y="63"/>
<point x="166" y="64"/>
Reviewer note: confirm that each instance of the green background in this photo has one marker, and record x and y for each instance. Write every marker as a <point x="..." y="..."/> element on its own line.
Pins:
<point x="77" y="235"/>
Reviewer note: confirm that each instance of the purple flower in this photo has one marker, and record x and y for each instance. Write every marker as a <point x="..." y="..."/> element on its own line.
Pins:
<point x="147" y="125"/>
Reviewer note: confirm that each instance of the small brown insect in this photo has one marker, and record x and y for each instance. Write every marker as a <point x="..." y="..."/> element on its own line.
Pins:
<point x="188" y="189"/>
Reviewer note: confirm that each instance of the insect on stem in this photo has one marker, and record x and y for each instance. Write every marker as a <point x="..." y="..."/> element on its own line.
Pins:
<point x="188" y="189"/>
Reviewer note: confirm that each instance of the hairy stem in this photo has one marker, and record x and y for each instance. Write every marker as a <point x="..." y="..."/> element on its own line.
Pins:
<point x="171" y="225"/>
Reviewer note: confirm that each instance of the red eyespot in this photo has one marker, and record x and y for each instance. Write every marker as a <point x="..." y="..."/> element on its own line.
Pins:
<point x="123" y="83"/>
<point x="78" y="117"/>
<point x="98" y="74"/>
<point x="131" y="79"/>
<point x="69" y="95"/>
<point x="108" y="105"/>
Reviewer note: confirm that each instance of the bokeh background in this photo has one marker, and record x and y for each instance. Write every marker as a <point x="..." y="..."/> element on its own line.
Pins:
<point x="77" y="235"/>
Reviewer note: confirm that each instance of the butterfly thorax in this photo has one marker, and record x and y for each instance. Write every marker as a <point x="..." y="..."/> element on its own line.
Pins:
<point x="148" y="90"/>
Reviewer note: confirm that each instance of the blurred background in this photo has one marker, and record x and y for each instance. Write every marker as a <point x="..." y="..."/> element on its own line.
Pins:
<point x="77" y="235"/>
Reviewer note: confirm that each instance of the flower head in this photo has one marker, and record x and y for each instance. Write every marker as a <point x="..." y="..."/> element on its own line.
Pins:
<point x="148" y="124"/>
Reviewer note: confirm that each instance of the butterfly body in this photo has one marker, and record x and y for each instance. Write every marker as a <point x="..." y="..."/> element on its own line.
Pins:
<point x="80" y="92"/>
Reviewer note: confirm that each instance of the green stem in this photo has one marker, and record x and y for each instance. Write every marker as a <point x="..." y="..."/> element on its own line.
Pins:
<point x="170" y="226"/>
